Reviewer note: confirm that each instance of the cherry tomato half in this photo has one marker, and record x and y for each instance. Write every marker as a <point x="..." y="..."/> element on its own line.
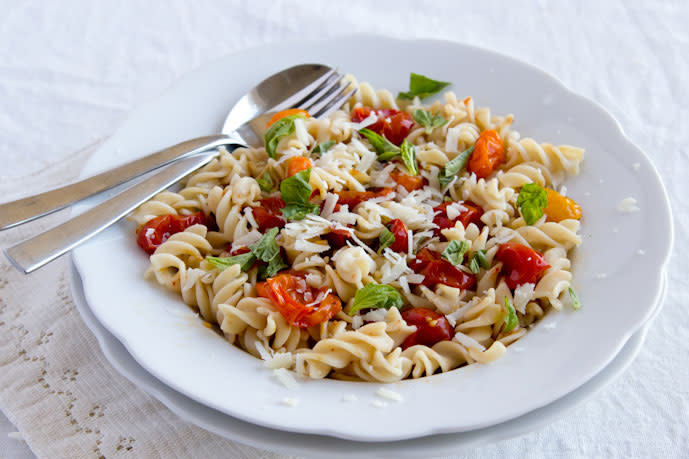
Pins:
<point x="393" y="124"/>
<point x="159" y="229"/>
<point x="409" y="182"/>
<point x="288" y="112"/>
<point x="488" y="154"/>
<point x="399" y="230"/>
<point x="353" y="198"/>
<point x="298" y="164"/>
<point x="337" y="238"/>
<point x="520" y="264"/>
<point x="431" y="327"/>
<point x="295" y="299"/>
<point x="471" y="214"/>
<point x="268" y="215"/>
<point x="438" y="271"/>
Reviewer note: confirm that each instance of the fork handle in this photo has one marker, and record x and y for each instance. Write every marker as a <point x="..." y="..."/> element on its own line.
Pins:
<point x="24" y="210"/>
<point x="39" y="250"/>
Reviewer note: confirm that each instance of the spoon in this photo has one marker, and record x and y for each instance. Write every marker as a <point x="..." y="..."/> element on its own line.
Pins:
<point x="275" y="93"/>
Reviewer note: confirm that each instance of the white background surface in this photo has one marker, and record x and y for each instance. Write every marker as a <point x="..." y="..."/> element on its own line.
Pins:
<point x="70" y="71"/>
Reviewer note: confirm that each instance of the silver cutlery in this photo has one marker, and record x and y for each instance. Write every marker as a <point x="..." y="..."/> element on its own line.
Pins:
<point x="39" y="250"/>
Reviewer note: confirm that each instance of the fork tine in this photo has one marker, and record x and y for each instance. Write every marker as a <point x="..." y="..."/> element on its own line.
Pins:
<point x="318" y="105"/>
<point x="305" y="92"/>
<point x="332" y="84"/>
<point x="335" y="104"/>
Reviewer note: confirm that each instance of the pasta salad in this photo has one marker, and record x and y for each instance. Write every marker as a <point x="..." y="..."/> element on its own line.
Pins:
<point x="390" y="240"/>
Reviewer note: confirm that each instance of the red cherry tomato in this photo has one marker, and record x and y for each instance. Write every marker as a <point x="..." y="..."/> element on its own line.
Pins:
<point x="393" y="124"/>
<point x="268" y="215"/>
<point x="438" y="271"/>
<point x="298" y="164"/>
<point x="353" y="198"/>
<point x="159" y="229"/>
<point x="409" y="182"/>
<point x="520" y="264"/>
<point x="337" y="238"/>
<point x="399" y="230"/>
<point x="488" y="154"/>
<point x="471" y="214"/>
<point x="295" y="299"/>
<point x="431" y="327"/>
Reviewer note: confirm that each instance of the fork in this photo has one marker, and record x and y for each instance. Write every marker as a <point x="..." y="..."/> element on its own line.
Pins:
<point x="33" y="253"/>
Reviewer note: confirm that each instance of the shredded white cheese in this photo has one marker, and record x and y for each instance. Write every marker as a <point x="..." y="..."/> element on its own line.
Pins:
<point x="549" y="325"/>
<point x="247" y="239"/>
<point x="285" y="378"/>
<point x="415" y="278"/>
<point x="357" y="322"/>
<point x="279" y="360"/>
<point x="302" y="134"/>
<point x="454" y="210"/>
<point x="379" y="404"/>
<point x="522" y="294"/>
<point x="290" y="401"/>
<point x="389" y="394"/>
<point x="628" y="206"/>
<point x="376" y="315"/>
<point x="410" y="243"/>
<point x="636" y="166"/>
<point x="330" y="202"/>
<point x="371" y="119"/>
<point x="349" y="398"/>
<point x="563" y="190"/>
<point x="468" y="342"/>
<point x="601" y="276"/>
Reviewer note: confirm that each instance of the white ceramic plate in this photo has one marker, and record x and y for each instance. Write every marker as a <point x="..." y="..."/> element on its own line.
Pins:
<point x="562" y="353"/>
<point x="322" y="447"/>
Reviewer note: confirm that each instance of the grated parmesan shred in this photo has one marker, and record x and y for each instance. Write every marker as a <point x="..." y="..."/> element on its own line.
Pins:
<point x="349" y="398"/>
<point x="371" y="119"/>
<point x="468" y="342"/>
<point x="330" y="202"/>
<point x="628" y="206"/>
<point x="290" y="401"/>
<point x="389" y="394"/>
<point x="279" y="360"/>
<point x="285" y="378"/>
<point x="522" y="295"/>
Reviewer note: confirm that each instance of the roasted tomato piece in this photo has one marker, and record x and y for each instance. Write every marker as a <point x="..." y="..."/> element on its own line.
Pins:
<point x="431" y="327"/>
<point x="159" y="229"/>
<point x="268" y="215"/>
<point x="561" y="207"/>
<point x="520" y="264"/>
<point x="298" y="164"/>
<point x="393" y="124"/>
<point x="471" y="213"/>
<point x="399" y="230"/>
<point x="288" y="112"/>
<point x="409" y="182"/>
<point x="353" y="198"/>
<point x="300" y="304"/>
<point x="337" y="238"/>
<point x="488" y="154"/>
<point x="438" y="271"/>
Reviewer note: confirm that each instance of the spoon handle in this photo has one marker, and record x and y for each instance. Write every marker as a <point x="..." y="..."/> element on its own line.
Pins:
<point x="30" y="208"/>
<point x="43" y="248"/>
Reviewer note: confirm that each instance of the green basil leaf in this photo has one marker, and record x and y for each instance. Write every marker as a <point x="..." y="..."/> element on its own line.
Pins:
<point x="385" y="149"/>
<point x="454" y="252"/>
<point x="265" y="182"/>
<point x="375" y="296"/>
<point x="323" y="147"/>
<point x="266" y="248"/>
<point x="479" y="260"/>
<point x="296" y="211"/>
<point x="452" y="168"/>
<point x="385" y="240"/>
<point x="296" y="193"/>
<point x="408" y="152"/>
<point x="273" y="267"/>
<point x="532" y="200"/>
<point x="244" y="260"/>
<point x="279" y="129"/>
<point x="576" y="304"/>
<point x="422" y="86"/>
<point x="511" y="320"/>
<point x="428" y="120"/>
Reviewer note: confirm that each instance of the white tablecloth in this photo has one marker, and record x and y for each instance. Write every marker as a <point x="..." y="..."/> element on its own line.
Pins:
<point x="71" y="71"/>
